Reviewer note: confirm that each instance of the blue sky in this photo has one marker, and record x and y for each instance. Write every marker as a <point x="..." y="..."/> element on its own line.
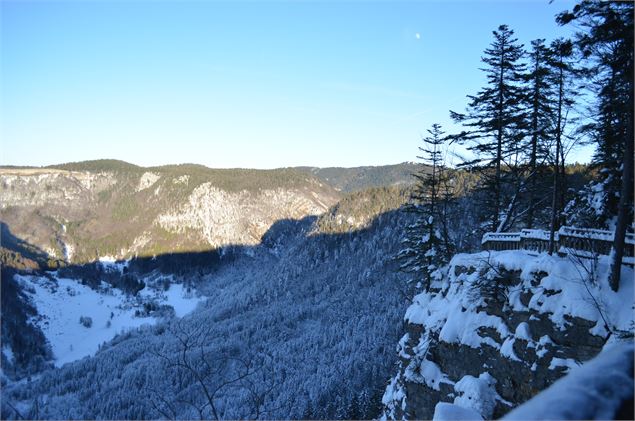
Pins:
<point x="243" y="84"/>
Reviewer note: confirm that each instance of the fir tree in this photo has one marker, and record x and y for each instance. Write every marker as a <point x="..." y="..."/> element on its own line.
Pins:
<point x="426" y="249"/>
<point x="606" y="41"/>
<point x="495" y="120"/>
<point x="561" y="52"/>
<point x="539" y="104"/>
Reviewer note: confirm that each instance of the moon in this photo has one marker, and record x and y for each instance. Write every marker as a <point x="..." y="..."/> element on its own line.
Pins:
<point x="417" y="35"/>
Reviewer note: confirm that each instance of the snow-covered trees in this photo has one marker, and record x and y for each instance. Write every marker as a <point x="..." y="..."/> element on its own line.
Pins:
<point x="527" y="118"/>
<point x="426" y="242"/>
<point x="205" y="375"/>
<point x="605" y="40"/>
<point x="324" y="306"/>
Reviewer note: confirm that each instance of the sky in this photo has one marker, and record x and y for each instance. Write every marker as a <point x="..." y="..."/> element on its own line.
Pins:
<point x="244" y="84"/>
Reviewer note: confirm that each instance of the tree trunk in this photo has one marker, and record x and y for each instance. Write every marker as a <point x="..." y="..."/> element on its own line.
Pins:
<point x="623" y="207"/>
<point x="534" y="152"/>
<point x="556" y="167"/>
<point x="563" y="187"/>
<point x="554" y="202"/>
<point x="499" y="147"/>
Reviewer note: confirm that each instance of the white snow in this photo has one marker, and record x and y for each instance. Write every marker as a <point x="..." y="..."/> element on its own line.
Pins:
<point x="522" y="331"/>
<point x="594" y="390"/>
<point x="537" y="234"/>
<point x="401" y="346"/>
<point x="68" y="251"/>
<point x="177" y="296"/>
<point x="541" y="348"/>
<point x="567" y="287"/>
<point x="570" y="288"/>
<point x="393" y="398"/>
<point x="447" y="314"/>
<point x="565" y="231"/>
<point x="427" y="372"/>
<point x="507" y="349"/>
<point x="444" y="411"/>
<point x="501" y="236"/>
<point x="562" y="362"/>
<point x="8" y="352"/>
<point x="478" y="394"/>
<point x="61" y="302"/>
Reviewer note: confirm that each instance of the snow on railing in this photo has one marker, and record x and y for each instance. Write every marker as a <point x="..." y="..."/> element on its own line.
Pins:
<point x="569" y="240"/>
<point x="501" y="236"/>
<point x="594" y="234"/>
<point x="537" y="234"/>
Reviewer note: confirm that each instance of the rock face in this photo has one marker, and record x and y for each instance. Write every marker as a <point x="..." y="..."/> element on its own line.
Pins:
<point x="223" y="218"/>
<point x="601" y="389"/>
<point x="81" y="214"/>
<point x="500" y="327"/>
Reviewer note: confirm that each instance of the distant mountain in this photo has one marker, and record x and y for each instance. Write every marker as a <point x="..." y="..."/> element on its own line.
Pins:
<point x="78" y="212"/>
<point x="359" y="178"/>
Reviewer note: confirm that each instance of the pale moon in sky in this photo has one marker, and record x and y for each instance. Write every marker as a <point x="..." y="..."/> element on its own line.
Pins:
<point x="417" y="35"/>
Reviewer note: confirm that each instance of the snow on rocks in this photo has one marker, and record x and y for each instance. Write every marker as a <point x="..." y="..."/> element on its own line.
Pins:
<point x="394" y="399"/>
<point x="428" y="372"/>
<point x="111" y="264"/>
<point x="513" y="314"/>
<point x="477" y="394"/>
<point x="595" y="390"/>
<point x="444" y="411"/>
<point x="522" y="331"/>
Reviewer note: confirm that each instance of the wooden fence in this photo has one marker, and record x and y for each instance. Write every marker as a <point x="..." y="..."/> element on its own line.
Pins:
<point x="583" y="242"/>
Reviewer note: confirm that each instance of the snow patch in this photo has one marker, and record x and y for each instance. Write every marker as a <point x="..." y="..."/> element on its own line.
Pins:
<point x="477" y="394"/>
<point x="60" y="303"/>
<point x="444" y="411"/>
<point x="507" y="349"/>
<point x="594" y="390"/>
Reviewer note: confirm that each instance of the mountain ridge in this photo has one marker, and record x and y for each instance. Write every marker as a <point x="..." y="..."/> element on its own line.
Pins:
<point x="80" y="211"/>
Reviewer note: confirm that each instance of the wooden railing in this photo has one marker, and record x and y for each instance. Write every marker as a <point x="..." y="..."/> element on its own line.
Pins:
<point x="583" y="242"/>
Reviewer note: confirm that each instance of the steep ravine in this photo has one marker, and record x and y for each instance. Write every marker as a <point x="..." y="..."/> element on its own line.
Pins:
<point x="499" y="327"/>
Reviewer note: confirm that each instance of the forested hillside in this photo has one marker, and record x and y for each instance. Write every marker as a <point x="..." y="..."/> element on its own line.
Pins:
<point x="81" y="211"/>
<point x="359" y="178"/>
<point x="276" y="306"/>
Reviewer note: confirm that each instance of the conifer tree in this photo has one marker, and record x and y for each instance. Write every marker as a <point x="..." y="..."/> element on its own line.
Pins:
<point x="539" y="105"/>
<point x="606" y="41"/>
<point x="559" y="59"/>
<point x="495" y="120"/>
<point x="426" y="249"/>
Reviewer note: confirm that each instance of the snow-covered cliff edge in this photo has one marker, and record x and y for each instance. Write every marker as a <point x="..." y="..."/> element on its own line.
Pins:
<point x="502" y="326"/>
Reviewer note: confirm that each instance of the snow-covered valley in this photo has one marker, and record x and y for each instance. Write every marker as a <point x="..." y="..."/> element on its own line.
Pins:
<point x="77" y="319"/>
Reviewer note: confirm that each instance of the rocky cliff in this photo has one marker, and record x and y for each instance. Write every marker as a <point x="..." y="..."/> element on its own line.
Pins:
<point x="79" y="212"/>
<point x="499" y="327"/>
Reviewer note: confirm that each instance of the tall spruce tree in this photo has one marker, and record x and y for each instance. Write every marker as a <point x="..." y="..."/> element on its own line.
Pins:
<point x="561" y="69"/>
<point x="495" y="120"/>
<point x="426" y="249"/>
<point x="606" y="41"/>
<point x="540" y="112"/>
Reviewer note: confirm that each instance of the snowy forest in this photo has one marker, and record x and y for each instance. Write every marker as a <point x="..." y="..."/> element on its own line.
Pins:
<point x="450" y="294"/>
